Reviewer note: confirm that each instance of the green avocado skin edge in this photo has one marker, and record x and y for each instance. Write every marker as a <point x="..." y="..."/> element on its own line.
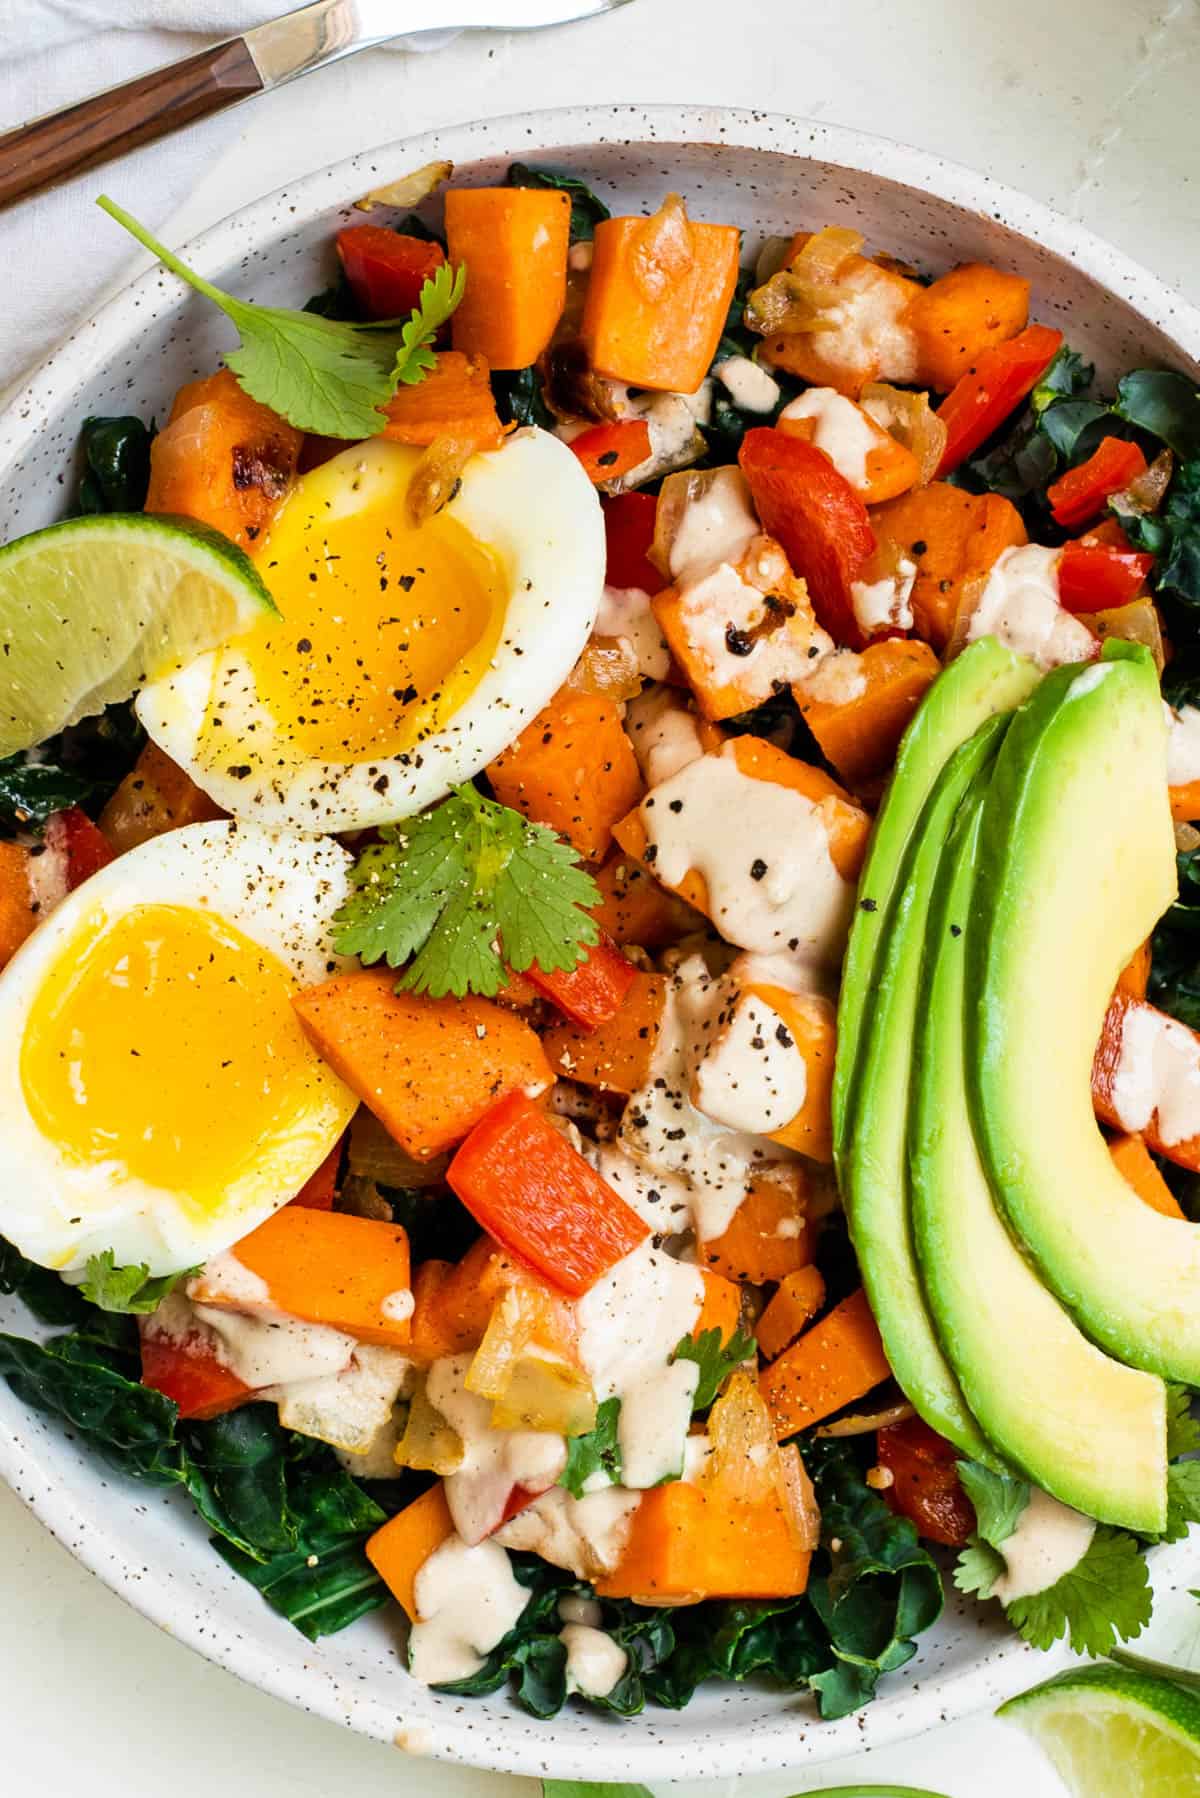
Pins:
<point x="875" y="1181"/>
<point x="987" y="678"/>
<point x="1082" y="773"/>
<point x="1087" y="1429"/>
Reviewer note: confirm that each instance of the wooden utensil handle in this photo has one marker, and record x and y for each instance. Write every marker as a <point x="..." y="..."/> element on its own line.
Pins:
<point x="52" y="149"/>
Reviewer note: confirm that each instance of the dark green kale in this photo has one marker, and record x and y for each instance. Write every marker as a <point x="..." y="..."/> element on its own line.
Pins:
<point x="116" y="458"/>
<point x="586" y="210"/>
<point x="81" y="766"/>
<point x="519" y="398"/>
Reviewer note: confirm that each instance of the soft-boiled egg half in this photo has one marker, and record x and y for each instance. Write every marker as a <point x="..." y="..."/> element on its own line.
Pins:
<point x="157" y="1095"/>
<point x="405" y="656"/>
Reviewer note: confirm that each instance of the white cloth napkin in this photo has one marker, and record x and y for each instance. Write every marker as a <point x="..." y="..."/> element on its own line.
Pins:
<point x="59" y="256"/>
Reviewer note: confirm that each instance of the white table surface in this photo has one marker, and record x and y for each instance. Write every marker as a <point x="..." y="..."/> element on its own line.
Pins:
<point x="1089" y="104"/>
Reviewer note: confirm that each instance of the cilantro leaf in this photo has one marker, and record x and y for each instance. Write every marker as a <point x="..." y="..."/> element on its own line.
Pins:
<point x="998" y="1498"/>
<point x="442" y="891"/>
<point x="1183" y="1500"/>
<point x="128" y="1289"/>
<point x="325" y="375"/>
<point x="597" y="1452"/>
<point x="1103" y="1600"/>
<point x="978" y="1568"/>
<point x="716" y="1362"/>
<point x="439" y="297"/>
<point x="1183" y="1430"/>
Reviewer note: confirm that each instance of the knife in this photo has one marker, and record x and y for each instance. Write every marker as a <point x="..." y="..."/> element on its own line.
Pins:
<point x="51" y="149"/>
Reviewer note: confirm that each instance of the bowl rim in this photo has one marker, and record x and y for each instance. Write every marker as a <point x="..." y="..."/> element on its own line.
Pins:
<point x="792" y="1738"/>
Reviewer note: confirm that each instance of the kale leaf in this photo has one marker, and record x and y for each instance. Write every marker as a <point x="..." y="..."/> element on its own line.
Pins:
<point x="519" y="398"/>
<point x="586" y="210"/>
<point x="80" y="766"/>
<point x="116" y="458"/>
<point x="1165" y="404"/>
<point x="1022" y="462"/>
<point x="1175" y="947"/>
<point x="1172" y="536"/>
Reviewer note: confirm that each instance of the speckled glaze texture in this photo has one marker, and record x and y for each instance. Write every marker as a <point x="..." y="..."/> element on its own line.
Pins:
<point x="769" y="174"/>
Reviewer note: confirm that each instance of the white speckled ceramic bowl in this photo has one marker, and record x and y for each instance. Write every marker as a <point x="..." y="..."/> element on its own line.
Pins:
<point x="768" y="174"/>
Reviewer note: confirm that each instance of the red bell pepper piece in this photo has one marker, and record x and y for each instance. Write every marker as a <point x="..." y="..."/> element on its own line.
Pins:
<point x="593" y="991"/>
<point x="318" y="1191"/>
<point x="1001" y="378"/>
<point x="608" y="451"/>
<point x="386" y="269"/>
<point x="629" y="531"/>
<point x="187" y="1371"/>
<point x="525" y="1185"/>
<point x="925" y="1485"/>
<point x="1096" y="577"/>
<point x="814" y="513"/>
<point x="1081" y="493"/>
<point x="72" y="836"/>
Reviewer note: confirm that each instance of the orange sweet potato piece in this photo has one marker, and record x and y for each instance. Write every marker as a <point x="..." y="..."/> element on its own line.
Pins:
<point x="860" y="735"/>
<point x="836" y="1361"/>
<point x="17" y="916"/>
<point x="616" y="1056"/>
<point x="428" y="1068"/>
<point x="453" y="1303"/>
<point x="1185" y="802"/>
<point x="657" y="297"/>
<point x="953" y="537"/>
<point x="890" y="466"/>
<point x="400" y="1549"/>
<point x="513" y="241"/>
<point x="962" y="314"/>
<point x="1135" y="975"/>
<point x="634" y="908"/>
<point x="768" y="1236"/>
<point x="847" y="824"/>
<point x="871" y="339"/>
<point x="797" y="1300"/>
<point x="721" y="1308"/>
<point x="573" y="768"/>
<point x="453" y="400"/>
<point x="223" y="459"/>
<point x="325" y="1267"/>
<point x="155" y="796"/>
<point x="690" y="1542"/>
<point x="811" y="1019"/>
<point x="1135" y="1162"/>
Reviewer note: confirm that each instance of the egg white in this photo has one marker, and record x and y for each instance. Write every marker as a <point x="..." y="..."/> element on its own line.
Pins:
<point x="532" y="505"/>
<point x="281" y="892"/>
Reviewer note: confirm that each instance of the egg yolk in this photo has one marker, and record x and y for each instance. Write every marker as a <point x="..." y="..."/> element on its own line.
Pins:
<point x="386" y="627"/>
<point x="165" y="1042"/>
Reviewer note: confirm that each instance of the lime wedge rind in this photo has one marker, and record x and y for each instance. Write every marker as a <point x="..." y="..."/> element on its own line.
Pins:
<point x="1111" y="1732"/>
<point x="92" y="608"/>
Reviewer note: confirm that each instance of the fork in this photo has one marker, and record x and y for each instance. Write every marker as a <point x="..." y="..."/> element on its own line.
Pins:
<point x="51" y="149"/>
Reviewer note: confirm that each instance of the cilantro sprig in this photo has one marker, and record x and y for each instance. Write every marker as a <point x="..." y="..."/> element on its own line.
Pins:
<point x="597" y="1452"/>
<point x="460" y="891"/>
<point x="323" y="375"/>
<point x="127" y="1289"/>
<point x="716" y="1361"/>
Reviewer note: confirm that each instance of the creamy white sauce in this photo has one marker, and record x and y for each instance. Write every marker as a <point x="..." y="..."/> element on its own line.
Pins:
<point x="1019" y="605"/>
<point x="579" y="257"/>
<point x="226" y="1277"/>
<point x="574" y="1608"/>
<point x="468" y="1599"/>
<point x="351" y="1409"/>
<point x="750" y="387"/>
<point x="625" y="612"/>
<point x="675" y="441"/>
<point x="885" y="604"/>
<point x="397" y="1306"/>
<point x="843" y="430"/>
<point x="595" y="1663"/>
<point x="752" y="1076"/>
<point x="1157" y="1076"/>
<point x="1183" y="745"/>
<point x="662" y="1200"/>
<point x="697" y="1450"/>
<point x="1048" y="1541"/>
<point x="663" y="1130"/>
<point x="634" y="1317"/>
<point x="763" y="850"/>
<point x="664" y="734"/>
<point x="652" y="1428"/>
<point x="586" y="1536"/>
<point x="494" y="1461"/>
<point x="275" y="1351"/>
<point x="378" y="1460"/>
<point x="718" y="524"/>
<point x="870" y="332"/>
<point x="836" y="679"/>
<point x="783" y="969"/>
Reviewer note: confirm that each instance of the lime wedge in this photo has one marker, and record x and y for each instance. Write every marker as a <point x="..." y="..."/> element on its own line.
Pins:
<point x="92" y="608"/>
<point x="1112" y="1733"/>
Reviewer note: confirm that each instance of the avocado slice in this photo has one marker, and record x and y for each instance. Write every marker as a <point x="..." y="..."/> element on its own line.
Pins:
<point x="1084" y="1427"/>
<point x="1076" y="865"/>
<point x="987" y="678"/>
<point x="875" y="1181"/>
